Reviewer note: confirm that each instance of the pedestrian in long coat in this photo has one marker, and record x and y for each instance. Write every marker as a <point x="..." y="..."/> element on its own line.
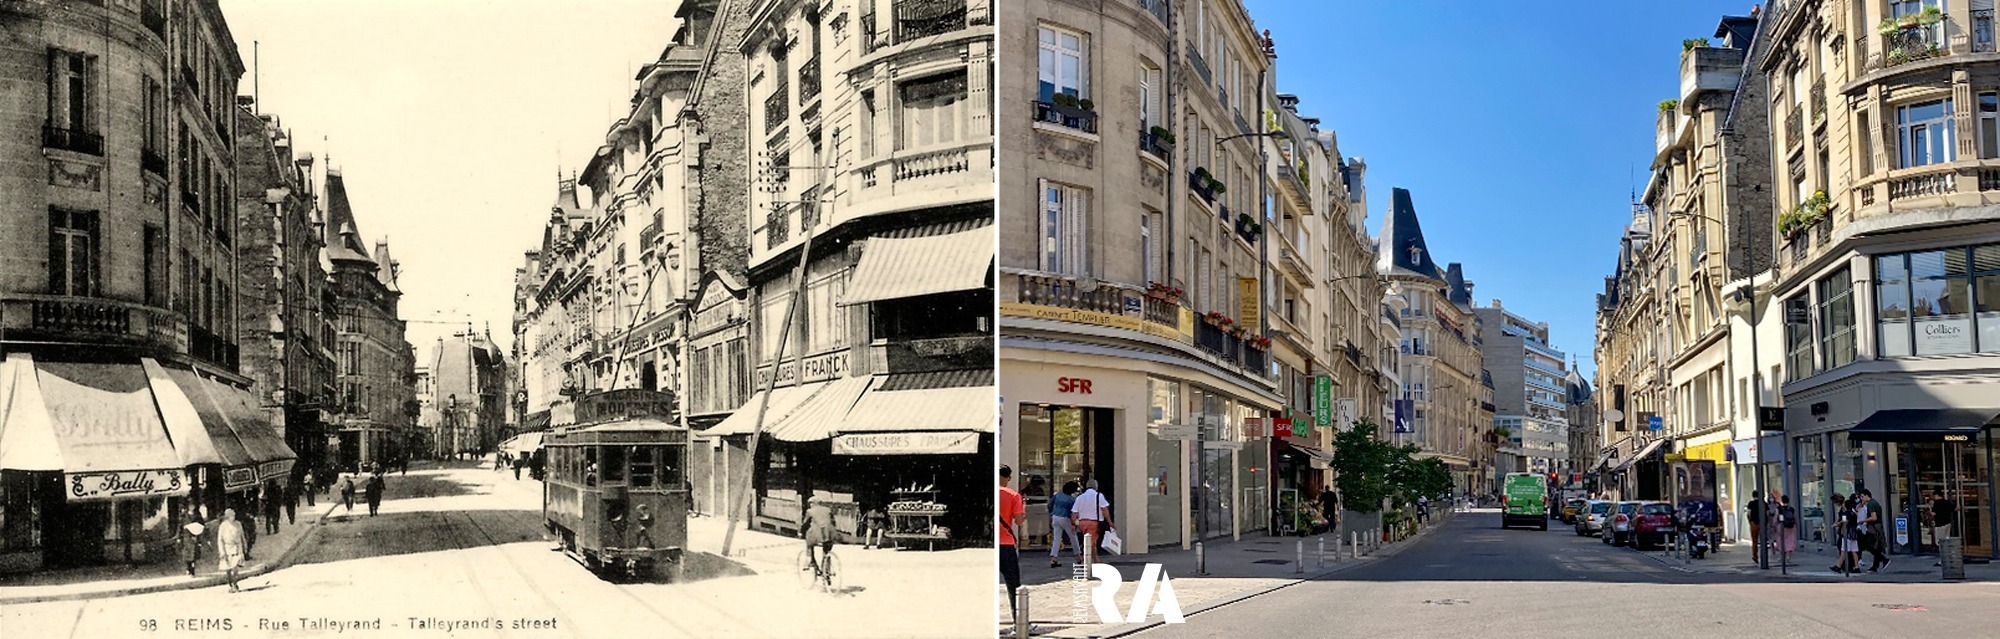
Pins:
<point x="374" y="494"/>
<point x="231" y="546"/>
<point x="347" y="493"/>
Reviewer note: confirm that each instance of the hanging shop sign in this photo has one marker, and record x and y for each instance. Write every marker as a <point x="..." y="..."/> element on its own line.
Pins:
<point x="1349" y="412"/>
<point x="1246" y="290"/>
<point x="238" y="478"/>
<point x="1323" y="401"/>
<point x="1282" y="427"/>
<point x="114" y="484"/>
<point x="1178" y="432"/>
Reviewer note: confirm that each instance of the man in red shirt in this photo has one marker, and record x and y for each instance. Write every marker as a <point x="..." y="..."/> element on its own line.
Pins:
<point x="1013" y="510"/>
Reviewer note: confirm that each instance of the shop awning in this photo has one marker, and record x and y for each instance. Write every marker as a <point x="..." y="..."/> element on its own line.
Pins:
<point x="820" y="415"/>
<point x="200" y="432"/>
<point x="1650" y="448"/>
<point x="942" y="413"/>
<point x="522" y="443"/>
<point x="27" y="438"/>
<point x="1312" y="454"/>
<point x="1924" y="424"/>
<point x="233" y="407"/>
<point x="744" y="419"/>
<point x="538" y="420"/>
<point x="899" y="267"/>
<point x="108" y="437"/>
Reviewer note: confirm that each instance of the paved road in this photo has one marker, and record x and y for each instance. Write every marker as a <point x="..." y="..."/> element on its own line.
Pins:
<point x="1473" y="579"/>
<point x="466" y="546"/>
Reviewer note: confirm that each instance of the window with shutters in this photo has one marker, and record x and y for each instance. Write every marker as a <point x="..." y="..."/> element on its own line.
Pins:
<point x="73" y="258"/>
<point x="72" y="92"/>
<point x="1065" y="227"/>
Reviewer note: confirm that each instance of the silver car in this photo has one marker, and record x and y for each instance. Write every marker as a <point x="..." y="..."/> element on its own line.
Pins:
<point x="1591" y="517"/>
<point x="1623" y="521"/>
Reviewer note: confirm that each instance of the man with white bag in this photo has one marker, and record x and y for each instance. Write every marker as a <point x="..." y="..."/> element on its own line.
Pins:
<point x="1093" y="515"/>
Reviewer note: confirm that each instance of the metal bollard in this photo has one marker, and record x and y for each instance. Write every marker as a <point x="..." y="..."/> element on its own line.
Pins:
<point x="1356" y="545"/>
<point x="1301" y="548"/>
<point x="1200" y="559"/>
<point x="1021" y="616"/>
<point x="1321" y="559"/>
<point x="1089" y="554"/>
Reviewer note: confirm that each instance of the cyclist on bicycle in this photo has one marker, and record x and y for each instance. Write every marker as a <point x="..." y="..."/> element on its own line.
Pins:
<point x="819" y="532"/>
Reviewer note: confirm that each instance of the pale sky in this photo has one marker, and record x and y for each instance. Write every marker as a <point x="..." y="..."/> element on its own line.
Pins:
<point x="446" y="118"/>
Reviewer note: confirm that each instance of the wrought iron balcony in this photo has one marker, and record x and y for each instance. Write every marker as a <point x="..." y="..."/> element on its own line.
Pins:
<point x="1202" y="187"/>
<point x="776" y="109"/>
<point x="925" y="18"/>
<point x="1159" y="8"/>
<point x="1074" y="117"/>
<point x="1200" y="66"/>
<point x="1818" y="101"/>
<point x="1154" y="145"/>
<point x="1911" y="44"/>
<point x="72" y="140"/>
<point x="1795" y="126"/>
<point x="809" y="81"/>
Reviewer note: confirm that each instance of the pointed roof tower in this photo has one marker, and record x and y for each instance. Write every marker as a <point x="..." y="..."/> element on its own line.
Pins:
<point x="344" y="242"/>
<point x="1403" y="251"/>
<point x="1456" y="288"/>
<point x="388" y="266"/>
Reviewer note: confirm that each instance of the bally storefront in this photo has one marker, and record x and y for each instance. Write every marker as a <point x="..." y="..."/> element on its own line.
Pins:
<point x="1182" y="449"/>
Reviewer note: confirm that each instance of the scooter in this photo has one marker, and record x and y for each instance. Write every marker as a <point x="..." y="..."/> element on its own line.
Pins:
<point x="1697" y="541"/>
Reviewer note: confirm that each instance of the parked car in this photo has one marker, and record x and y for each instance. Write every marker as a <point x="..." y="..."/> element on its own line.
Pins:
<point x="1654" y="524"/>
<point x="1591" y="517"/>
<point x="1618" y="527"/>
<point x="1570" y="509"/>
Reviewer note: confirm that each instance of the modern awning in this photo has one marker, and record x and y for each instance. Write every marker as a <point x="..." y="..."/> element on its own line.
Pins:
<point x="818" y="416"/>
<point x="1650" y="448"/>
<point x="744" y="419"/>
<point x="1924" y="424"/>
<point x="1312" y="453"/>
<point x="899" y="267"/>
<point x="200" y="432"/>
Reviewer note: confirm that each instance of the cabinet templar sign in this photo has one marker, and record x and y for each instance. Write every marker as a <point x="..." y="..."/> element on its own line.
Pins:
<point x="1077" y="385"/>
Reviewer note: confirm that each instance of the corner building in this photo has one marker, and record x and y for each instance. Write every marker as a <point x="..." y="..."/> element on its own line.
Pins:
<point x="1890" y="283"/>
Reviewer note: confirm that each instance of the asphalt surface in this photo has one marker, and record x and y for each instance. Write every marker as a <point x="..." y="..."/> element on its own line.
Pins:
<point x="1474" y="579"/>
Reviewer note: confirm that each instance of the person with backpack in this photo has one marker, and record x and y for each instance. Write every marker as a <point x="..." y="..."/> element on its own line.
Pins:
<point x="1787" y="530"/>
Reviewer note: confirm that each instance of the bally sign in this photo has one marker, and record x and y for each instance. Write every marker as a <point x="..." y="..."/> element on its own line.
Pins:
<point x="125" y="483"/>
<point x="945" y="443"/>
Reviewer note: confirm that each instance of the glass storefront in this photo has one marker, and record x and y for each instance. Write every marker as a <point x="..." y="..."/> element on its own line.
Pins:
<point x="1957" y="471"/>
<point x="1163" y="465"/>
<point x="1813" y="498"/>
<point x="1210" y="502"/>
<point x="1253" y="477"/>
<point x="1061" y="444"/>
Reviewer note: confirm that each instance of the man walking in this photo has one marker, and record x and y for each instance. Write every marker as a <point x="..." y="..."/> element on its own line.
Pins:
<point x="1013" y="512"/>
<point x="310" y="487"/>
<point x="1093" y="516"/>
<point x="1871" y="530"/>
<point x="1944" y="513"/>
<point x="374" y="494"/>
<point x="1756" y="512"/>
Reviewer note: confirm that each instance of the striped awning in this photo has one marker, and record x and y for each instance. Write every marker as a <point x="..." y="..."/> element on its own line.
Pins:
<point x="926" y="402"/>
<point x="744" y="419"/>
<point x="820" y="415"/>
<point x="201" y="433"/>
<point x="897" y="266"/>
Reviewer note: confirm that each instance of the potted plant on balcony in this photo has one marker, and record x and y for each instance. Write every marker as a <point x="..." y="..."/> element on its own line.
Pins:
<point x="1804" y="216"/>
<point x="1072" y="107"/>
<point x="1259" y="342"/>
<point x="1162" y="137"/>
<point x="1163" y="292"/>
<point x="1888" y="27"/>
<point x="1216" y="319"/>
<point x="1930" y="15"/>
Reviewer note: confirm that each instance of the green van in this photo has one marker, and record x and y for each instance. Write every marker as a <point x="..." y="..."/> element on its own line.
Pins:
<point x="1527" y="501"/>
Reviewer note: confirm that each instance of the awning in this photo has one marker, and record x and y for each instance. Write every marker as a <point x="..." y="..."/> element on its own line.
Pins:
<point x="1924" y="424"/>
<point x="1650" y="448"/>
<point x="522" y="443"/>
<point x="899" y="267"/>
<point x="109" y="439"/>
<point x="744" y="419"/>
<point x="820" y="415"/>
<point x="538" y="420"/>
<point x="1318" y="458"/>
<point x="200" y="433"/>
<point x="27" y="438"/>
<point x="232" y="406"/>
<point x="942" y="413"/>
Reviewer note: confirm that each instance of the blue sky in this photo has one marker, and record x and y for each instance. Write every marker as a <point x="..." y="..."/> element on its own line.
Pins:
<point x="1520" y="129"/>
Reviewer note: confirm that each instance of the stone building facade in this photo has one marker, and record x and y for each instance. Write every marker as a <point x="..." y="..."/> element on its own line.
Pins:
<point x="374" y="362"/>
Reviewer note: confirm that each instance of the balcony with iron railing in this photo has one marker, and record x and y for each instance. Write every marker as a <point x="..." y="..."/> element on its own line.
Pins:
<point x="1155" y="145"/>
<point x="72" y="140"/>
<point x="809" y="81"/>
<point x="1911" y="44"/>
<point x="1200" y="65"/>
<point x="1817" y="99"/>
<point x="1079" y="116"/>
<point x="777" y="108"/>
<point x="925" y="18"/>
<point x="1795" y="127"/>
<point x="72" y="319"/>
<point x="1159" y="8"/>
<point x="153" y="162"/>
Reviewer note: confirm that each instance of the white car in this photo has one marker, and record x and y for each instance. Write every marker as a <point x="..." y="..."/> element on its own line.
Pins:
<point x="1618" y="531"/>
<point x="1591" y="518"/>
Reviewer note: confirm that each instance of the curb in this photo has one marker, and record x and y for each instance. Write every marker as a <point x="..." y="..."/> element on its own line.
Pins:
<point x="1123" y="630"/>
<point x="283" y="560"/>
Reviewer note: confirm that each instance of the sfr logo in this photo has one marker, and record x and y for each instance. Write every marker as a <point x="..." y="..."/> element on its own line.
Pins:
<point x="1073" y="385"/>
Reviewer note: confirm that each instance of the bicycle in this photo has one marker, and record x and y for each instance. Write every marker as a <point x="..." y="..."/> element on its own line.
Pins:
<point x="820" y="575"/>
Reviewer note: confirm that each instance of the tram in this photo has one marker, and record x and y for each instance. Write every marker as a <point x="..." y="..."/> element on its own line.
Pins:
<point x="615" y="493"/>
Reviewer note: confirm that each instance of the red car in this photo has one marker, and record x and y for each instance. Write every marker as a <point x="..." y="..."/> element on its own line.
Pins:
<point x="1654" y="524"/>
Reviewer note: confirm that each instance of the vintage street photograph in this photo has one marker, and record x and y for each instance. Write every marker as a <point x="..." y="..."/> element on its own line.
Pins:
<point x="608" y="318"/>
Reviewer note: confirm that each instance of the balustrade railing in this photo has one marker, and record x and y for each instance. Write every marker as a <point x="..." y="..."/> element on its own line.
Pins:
<point x="1923" y="185"/>
<point x="939" y="162"/>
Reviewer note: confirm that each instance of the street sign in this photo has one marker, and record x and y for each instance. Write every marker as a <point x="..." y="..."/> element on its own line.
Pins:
<point x="1323" y="400"/>
<point x="1654" y="422"/>
<point x="1770" y="418"/>
<point x="1179" y="432"/>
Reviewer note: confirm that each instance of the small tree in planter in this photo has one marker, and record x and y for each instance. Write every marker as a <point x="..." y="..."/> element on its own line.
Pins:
<point x="1162" y="136"/>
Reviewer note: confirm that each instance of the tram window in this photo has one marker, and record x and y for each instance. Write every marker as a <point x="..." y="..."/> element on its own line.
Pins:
<point x="590" y="468"/>
<point x="642" y="466"/>
<point x="671" y="457"/>
<point x="614" y="464"/>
